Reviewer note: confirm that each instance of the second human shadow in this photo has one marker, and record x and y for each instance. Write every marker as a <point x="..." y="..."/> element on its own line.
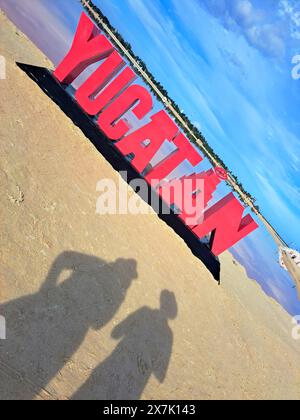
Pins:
<point x="145" y="349"/>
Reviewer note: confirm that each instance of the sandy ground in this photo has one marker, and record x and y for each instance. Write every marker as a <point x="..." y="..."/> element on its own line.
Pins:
<point x="81" y="292"/>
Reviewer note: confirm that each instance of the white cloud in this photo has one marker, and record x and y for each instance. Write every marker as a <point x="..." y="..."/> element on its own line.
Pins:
<point x="266" y="38"/>
<point x="264" y="27"/>
<point x="290" y="10"/>
<point x="244" y="12"/>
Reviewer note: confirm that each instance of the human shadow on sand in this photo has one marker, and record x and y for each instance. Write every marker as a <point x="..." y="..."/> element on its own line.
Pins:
<point x="145" y="349"/>
<point x="45" y="329"/>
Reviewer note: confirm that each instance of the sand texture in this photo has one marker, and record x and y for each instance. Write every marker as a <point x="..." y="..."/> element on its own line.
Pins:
<point x="81" y="292"/>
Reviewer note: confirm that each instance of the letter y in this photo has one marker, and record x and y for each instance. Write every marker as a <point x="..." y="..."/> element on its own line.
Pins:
<point x="88" y="47"/>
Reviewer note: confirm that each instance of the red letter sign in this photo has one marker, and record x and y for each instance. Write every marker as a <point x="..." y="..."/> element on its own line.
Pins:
<point x="185" y="151"/>
<point x="160" y="128"/>
<point x="136" y="96"/>
<point x="225" y="221"/>
<point x="109" y="93"/>
<point x="189" y="193"/>
<point x="86" y="95"/>
<point x="87" y="48"/>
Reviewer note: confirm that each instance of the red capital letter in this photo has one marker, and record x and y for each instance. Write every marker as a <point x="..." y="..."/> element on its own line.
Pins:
<point x="185" y="190"/>
<point x="185" y="151"/>
<point x="87" y="48"/>
<point x="225" y="221"/>
<point x="160" y="128"/>
<point x="134" y="95"/>
<point x="86" y="95"/>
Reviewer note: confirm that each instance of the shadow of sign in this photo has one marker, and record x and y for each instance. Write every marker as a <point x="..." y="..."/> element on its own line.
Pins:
<point x="44" y="79"/>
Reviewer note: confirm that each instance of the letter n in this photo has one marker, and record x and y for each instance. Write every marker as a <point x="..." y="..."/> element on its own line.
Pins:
<point x="226" y="224"/>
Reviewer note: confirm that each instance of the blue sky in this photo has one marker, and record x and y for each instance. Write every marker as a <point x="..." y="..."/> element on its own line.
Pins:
<point x="228" y="64"/>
